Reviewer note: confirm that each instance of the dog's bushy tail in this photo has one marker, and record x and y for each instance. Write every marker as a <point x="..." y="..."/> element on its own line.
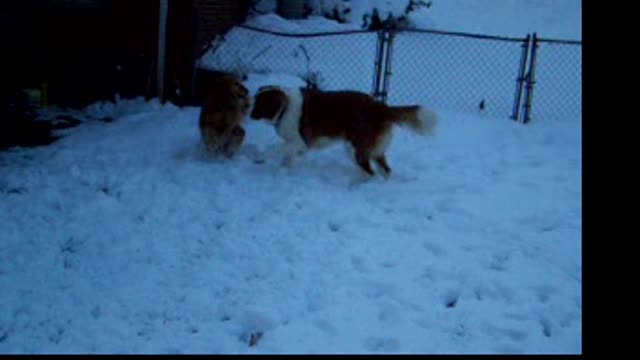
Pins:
<point x="417" y="118"/>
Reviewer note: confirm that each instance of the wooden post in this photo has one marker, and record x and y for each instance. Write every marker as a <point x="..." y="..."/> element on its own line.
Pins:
<point x="162" y="46"/>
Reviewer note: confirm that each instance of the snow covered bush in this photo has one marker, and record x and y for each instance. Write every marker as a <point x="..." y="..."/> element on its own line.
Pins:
<point x="371" y="14"/>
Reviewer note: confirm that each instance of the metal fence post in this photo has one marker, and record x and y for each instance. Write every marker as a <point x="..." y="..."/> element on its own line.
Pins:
<point x="387" y="65"/>
<point x="521" y="78"/>
<point x="531" y="80"/>
<point x="377" y="72"/>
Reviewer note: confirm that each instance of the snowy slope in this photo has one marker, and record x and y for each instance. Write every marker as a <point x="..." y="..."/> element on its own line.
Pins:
<point x="125" y="237"/>
<point x="557" y="19"/>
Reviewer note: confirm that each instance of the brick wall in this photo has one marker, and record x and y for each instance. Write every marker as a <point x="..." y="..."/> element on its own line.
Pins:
<point x="216" y="17"/>
<point x="75" y="45"/>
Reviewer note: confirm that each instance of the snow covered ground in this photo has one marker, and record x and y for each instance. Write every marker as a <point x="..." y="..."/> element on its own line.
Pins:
<point x="125" y="237"/>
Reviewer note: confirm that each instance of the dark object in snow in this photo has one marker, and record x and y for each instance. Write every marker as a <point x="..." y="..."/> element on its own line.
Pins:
<point x="333" y="226"/>
<point x="18" y="190"/>
<point x="29" y="133"/>
<point x="18" y="124"/>
<point x="451" y="300"/>
<point x="254" y="338"/>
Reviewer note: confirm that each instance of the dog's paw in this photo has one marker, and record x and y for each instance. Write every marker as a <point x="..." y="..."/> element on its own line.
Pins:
<point x="288" y="161"/>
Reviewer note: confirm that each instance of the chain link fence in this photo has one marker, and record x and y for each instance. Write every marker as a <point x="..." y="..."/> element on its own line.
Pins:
<point x="519" y="78"/>
<point x="329" y="61"/>
<point x="455" y="71"/>
<point x="557" y="81"/>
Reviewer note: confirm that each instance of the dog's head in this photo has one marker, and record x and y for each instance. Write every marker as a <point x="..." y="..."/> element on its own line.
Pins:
<point x="269" y="103"/>
<point x="226" y="104"/>
<point x="238" y="94"/>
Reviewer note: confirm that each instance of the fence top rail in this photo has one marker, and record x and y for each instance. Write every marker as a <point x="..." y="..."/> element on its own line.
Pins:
<point x="557" y="41"/>
<point x="463" y="34"/>
<point x="425" y="31"/>
<point x="307" y="35"/>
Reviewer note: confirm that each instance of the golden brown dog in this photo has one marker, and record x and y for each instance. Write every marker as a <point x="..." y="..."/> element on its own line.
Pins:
<point x="227" y="103"/>
<point x="307" y="119"/>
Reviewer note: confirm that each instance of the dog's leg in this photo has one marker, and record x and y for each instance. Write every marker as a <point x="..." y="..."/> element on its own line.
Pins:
<point x="292" y="151"/>
<point x="271" y="153"/>
<point x="362" y="158"/>
<point x="381" y="160"/>
<point x="233" y="142"/>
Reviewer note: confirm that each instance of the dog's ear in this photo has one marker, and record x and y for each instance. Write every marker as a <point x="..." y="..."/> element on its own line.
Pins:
<point x="269" y="103"/>
<point x="267" y="87"/>
<point x="240" y="94"/>
<point x="241" y="89"/>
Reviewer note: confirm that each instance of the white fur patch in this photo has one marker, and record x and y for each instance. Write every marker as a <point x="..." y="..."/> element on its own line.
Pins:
<point x="428" y="120"/>
<point x="289" y="127"/>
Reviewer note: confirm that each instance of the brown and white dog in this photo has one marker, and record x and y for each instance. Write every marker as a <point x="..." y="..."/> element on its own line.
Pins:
<point x="227" y="103"/>
<point x="308" y="119"/>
